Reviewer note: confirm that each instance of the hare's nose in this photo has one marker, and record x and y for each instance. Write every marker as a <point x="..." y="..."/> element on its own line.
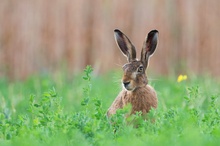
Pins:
<point x="126" y="83"/>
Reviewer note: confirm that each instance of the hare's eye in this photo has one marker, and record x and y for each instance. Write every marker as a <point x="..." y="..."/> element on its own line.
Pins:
<point x="140" y="69"/>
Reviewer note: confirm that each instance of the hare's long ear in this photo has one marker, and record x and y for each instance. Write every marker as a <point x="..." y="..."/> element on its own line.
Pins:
<point x="149" y="47"/>
<point x="125" y="45"/>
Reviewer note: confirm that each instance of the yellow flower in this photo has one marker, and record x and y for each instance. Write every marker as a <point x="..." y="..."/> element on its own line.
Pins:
<point x="36" y="121"/>
<point x="181" y="78"/>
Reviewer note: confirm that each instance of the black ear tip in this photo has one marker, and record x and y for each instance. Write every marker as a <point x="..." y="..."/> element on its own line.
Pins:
<point x="117" y="31"/>
<point x="154" y="31"/>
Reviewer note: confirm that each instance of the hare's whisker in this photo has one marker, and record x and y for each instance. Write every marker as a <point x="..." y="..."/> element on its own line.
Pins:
<point x="152" y="79"/>
<point x="118" y="64"/>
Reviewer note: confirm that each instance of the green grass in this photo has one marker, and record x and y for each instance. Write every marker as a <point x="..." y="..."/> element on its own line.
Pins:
<point x="60" y="110"/>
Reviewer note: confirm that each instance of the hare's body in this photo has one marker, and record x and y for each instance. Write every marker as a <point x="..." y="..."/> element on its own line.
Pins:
<point x="136" y="91"/>
<point x="142" y="99"/>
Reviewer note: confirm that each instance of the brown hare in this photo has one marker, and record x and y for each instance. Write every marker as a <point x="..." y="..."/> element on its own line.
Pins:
<point x="136" y="90"/>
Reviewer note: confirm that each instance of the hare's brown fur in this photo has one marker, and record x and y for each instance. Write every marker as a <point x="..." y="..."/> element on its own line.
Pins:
<point x="142" y="99"/>
<point x="136" y="90"/>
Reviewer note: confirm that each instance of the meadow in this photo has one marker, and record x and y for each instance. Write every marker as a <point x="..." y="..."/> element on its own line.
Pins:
<point x="71" y="110"/>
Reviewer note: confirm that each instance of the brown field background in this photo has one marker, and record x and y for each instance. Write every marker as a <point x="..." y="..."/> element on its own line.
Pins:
<point x="44" y="36"/>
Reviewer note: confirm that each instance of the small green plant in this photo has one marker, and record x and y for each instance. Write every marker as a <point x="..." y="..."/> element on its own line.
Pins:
<point x="90" y="122"/>
<point x="87" y="89"/>
<point x="192" y="97"/>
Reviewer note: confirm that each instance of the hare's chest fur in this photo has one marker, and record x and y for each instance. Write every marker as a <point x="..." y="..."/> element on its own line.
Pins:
<point x="142" y="99"/>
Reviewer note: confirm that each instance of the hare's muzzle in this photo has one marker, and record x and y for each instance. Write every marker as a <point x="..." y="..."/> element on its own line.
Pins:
<point x="126" y="84"/>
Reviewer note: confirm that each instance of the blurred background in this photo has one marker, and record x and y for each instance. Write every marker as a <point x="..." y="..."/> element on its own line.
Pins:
<point x="45" y="36"/>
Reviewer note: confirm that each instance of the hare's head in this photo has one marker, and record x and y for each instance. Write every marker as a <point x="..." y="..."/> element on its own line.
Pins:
<point x="134" y="71"/>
